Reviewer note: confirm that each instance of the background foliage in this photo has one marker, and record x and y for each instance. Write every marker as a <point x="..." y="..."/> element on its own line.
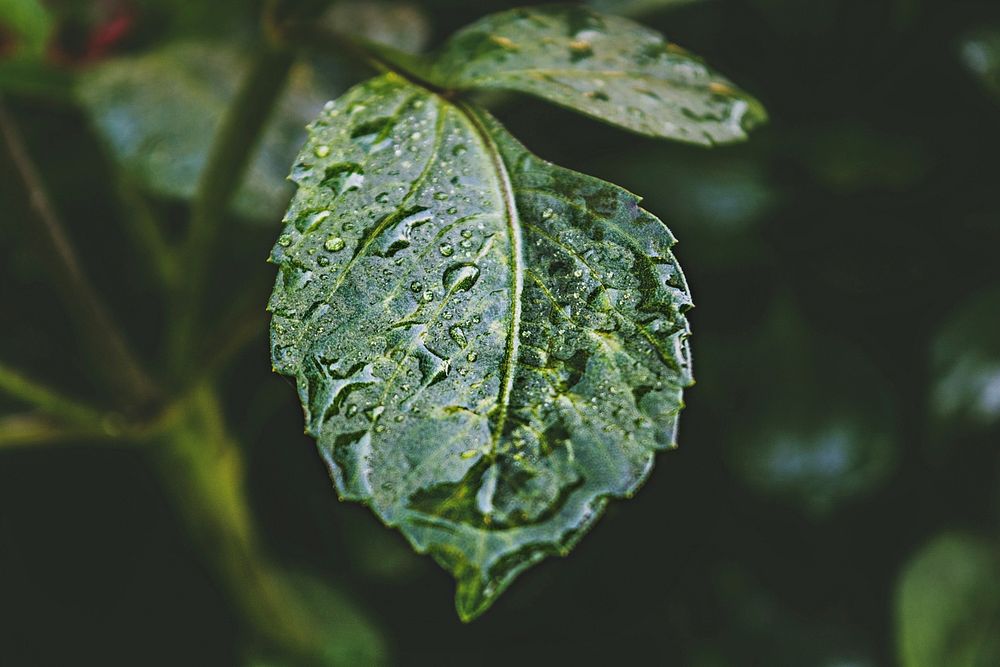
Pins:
<point x="835" y="491"/>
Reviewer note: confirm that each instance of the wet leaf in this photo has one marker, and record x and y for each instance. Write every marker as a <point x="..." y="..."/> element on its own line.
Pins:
<point x="948" y="604"/>
<point x="607" y="67"/>
<point x="487" y="346"/>
<point x="158" y="113"/>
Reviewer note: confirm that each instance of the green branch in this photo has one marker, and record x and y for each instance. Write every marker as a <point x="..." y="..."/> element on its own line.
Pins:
<point x="48" y="401"/>
<point x="230" y="154"/>
<point x="31" y="429"/>
<point x="122" y="368"/>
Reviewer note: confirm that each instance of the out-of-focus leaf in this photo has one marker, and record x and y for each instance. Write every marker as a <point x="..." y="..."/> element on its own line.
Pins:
<point x="607" y="67"/>
<point x="158" y="113"/>
<point x="486" y="346"/>
<point x="948" y="604"/>
<point x="809" y="442"/>
<point x="637" y="7"/>
<point x="965" y="365"/>
<point x="401" y="25"/>
<point x="30" y="22"/>
<point x="980" y="52"/>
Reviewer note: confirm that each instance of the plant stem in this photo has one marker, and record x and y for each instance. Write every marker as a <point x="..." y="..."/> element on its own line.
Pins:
<point x="49" y="401"/>
<point x="22" y="430"/>
<point x="120" y="365"/>
<point x="146" y="233"/>
<point x="203" y="469"/>
<point x="227" y="162"/>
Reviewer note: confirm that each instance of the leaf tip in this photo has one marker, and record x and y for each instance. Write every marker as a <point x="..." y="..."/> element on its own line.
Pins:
<point x="472" y="598"/>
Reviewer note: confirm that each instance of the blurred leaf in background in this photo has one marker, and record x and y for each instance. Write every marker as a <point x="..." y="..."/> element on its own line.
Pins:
<point x="948" y="604"/>
<point x="29" y="24"/>
<point x="808" y="420"/>
<point x="965" y="366"/>
<point x="158" y="112"/>
<point x="980" y="51"/>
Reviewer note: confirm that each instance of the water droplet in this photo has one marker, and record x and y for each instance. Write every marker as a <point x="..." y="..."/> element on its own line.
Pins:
<point x="472" y="356"/>
<point x="458" y="336"/>
<point x="322" y="150"/>
<point x="459" y="150"/>
<point x="343" y="177"/>
<point x="460" y="277"/>
<point x="469" y="453"/>
<point x="427" y="296"/>
<point x="446" y="249"/>
<point x="440" y="196"/>
<point x="580" y="49"/>
<point x="382" y="197"/>
<point x="547" y="213"/>
<point x="284" y="240"/>
<point x="323" y="260"/>
<point x="334" y="244"/>
<point x="416" y="286"/>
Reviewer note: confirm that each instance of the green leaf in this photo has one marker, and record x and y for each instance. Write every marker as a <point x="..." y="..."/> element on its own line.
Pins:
<point x="159" y="112"/>
<point x="948" y="605"/>
<point x="487" y="346"/>
<point x="30" y="21"/>
<point x="607" y="67"/>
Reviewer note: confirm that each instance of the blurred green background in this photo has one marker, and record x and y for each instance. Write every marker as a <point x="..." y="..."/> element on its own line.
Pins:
<point x="835" y="500"/>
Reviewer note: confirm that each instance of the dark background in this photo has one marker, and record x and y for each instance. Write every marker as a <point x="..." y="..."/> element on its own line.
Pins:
<point x="842" y="263"/>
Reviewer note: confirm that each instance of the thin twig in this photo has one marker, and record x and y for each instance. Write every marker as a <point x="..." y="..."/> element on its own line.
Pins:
<point x="31" y="429"/>
<point x="227" y="162"/>
<point x="49" y="401"/>
<point x="146" y="232"/>
<point x="108" y="344"/>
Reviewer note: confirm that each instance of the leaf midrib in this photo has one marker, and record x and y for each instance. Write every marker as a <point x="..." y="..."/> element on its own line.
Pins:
<point x="514" y="231"/>
<point x="515" y="237"/>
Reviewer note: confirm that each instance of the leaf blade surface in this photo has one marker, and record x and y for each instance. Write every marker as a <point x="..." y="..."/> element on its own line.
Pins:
<point x="486" y="346"/>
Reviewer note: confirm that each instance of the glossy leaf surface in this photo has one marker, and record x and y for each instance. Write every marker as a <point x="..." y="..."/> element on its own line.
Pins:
<point x="607" y="67"/>
<point x="486" y="346"/>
